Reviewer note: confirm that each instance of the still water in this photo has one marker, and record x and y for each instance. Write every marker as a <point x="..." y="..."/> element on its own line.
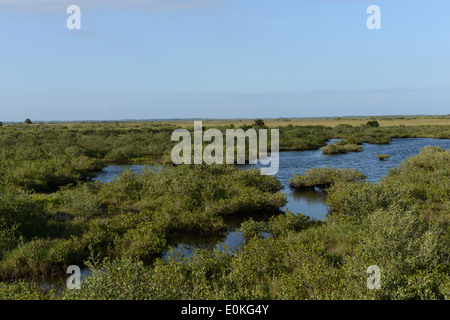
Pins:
<point x="310" y="203"/>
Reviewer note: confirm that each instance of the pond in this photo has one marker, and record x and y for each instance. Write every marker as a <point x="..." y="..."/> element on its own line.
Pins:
<point x="310" y="203"/>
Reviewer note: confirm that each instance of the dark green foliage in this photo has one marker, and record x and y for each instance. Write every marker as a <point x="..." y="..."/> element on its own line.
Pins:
<point x="304" y="138"/>
<point x="22" y="290"/>
<point x="259" y="123"/>
<point x="372" y="124"/>
<point x="277" y="225"/>
<point x="252" y="228"/>
<point x="20" y="213"/>
<point x="282" y="224"/>
<point x="341" y="147"/>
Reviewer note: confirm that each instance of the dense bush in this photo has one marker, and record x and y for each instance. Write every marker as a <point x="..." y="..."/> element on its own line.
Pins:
<point x="251" y="228"/>
<point x="22" y="290"/>
<point x="341" y="147"/>
<point x="373" y="124"/>
<point x="20" y="213"/>
<point x="81" y="200"/>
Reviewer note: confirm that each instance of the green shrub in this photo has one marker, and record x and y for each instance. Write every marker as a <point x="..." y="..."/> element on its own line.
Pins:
<point x="403" y="244"/>
<point x="21" y="213"/>
<point x="289" y="222"/>
<point x="372" y="124"/>
<point x="341" y="147"/>
<point x="119" y="280"/>
<point x="82" y="200"/>
<point x="22" y="290"/>
<point x="259" y="123"/>
<point x="9" y="237"/>
<point x="143" y="242"/>
<point x="251" y="228"/>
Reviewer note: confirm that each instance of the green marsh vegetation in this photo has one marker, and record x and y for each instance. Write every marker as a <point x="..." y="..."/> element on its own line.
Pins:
<point x="134" y="216"/>
<point x="341" y="146"/>
<point x="51" y="217"/>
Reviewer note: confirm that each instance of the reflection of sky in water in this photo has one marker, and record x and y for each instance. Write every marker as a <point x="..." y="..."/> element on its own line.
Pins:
<point x="113" y="170"/>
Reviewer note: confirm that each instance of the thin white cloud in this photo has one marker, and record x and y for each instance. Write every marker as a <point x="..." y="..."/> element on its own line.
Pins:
<point x="52" y="5"/>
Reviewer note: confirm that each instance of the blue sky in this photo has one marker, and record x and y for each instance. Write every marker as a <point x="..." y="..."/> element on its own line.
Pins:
<point x="160" y="59"/>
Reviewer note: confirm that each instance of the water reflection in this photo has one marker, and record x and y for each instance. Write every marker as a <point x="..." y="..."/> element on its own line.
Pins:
<point x="228" y="239"/>
<point x="311" y="197"/>
<point x="110" y="172"/>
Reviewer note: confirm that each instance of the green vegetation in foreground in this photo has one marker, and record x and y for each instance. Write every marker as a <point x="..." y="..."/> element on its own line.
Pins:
<point x="134" y="216"/>
<point x="341" y="147"/>
<point x="324" y="177"/>
<point x="399" y="224"/>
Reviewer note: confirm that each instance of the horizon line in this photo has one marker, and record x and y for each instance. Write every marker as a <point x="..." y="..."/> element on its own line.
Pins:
<point x="208" y="119"/>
